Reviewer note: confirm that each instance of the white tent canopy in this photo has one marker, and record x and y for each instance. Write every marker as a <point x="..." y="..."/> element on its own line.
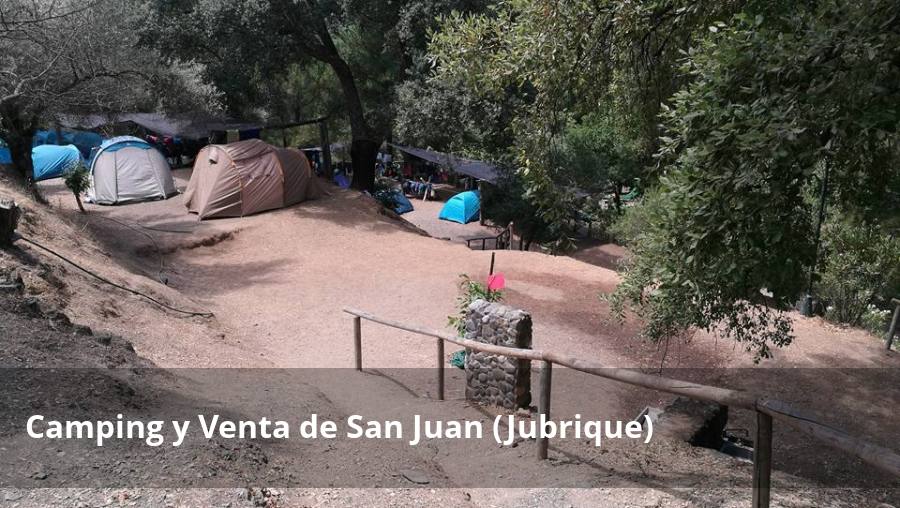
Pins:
<point x="129" y="169"/>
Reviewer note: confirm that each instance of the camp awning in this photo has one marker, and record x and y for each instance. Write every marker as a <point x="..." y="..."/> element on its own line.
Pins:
<point x="476" y="169"/>
<point x="190" y="126"/>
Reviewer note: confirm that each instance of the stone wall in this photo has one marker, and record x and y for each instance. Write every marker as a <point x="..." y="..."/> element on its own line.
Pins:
<point x="494" y="379"/>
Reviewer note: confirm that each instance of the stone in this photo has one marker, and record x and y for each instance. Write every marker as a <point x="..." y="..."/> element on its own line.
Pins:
<point x="415" y="476"/>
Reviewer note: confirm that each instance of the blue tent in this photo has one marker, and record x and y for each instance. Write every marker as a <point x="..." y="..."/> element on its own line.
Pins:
<point x="5" y="156"/>
<point x="84" y="140"/>
<point x="342" y="181"/>
<point x="51" y="161"/>
<point x="462" y="208"/>
<point x="401" y="203"/>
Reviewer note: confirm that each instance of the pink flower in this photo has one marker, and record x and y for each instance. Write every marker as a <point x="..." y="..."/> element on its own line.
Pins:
<point x="496" y="282"/>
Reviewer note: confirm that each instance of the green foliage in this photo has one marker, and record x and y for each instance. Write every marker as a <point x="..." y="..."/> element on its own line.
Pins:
<point x="859" y="271"/>
<point x="590" y="76"/>
<point x="634" y="221"/>
<point x="769" y="103"/>
<point x="875" y="320"/>
<point x="598" y="153"/>
<point x="470" y="291"/>
<point x="78" y="180"/>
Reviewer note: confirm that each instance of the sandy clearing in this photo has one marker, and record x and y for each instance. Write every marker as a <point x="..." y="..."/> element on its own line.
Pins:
<point x="279" y="282"/>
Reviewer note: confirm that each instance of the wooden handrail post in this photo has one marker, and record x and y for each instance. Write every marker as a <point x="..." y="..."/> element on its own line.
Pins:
<point x="357" y="341"/>
<point x="544" y="405"/>
<point x="440" y="368"/>
<point x="895" y="321"/>
<point x="762" y="461"/>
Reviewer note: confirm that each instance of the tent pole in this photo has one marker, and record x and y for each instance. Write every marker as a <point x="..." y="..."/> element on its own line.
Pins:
<point x="480" y="204"/>
<point x="326" y="149"/>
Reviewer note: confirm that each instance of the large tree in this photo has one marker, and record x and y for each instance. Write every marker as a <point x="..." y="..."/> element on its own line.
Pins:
<point x="570" y="61"/>
<point x="776" y="106"/>
<point x="68" y="57"/>
<point x="365" y="44"/>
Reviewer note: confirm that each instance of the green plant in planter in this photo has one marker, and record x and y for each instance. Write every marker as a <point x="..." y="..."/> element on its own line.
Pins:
<point x="77" y="179"/>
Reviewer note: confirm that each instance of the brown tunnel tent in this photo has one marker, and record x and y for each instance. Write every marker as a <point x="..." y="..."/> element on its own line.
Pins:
<point x="247" y="177"/>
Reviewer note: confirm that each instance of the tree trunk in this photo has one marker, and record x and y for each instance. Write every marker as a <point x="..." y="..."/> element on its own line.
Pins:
<point x="364" y="147"/>
<point x="78" y="200"/>
<point x="363" y="152"/>
<point x="20" y="151"/>
<point x="18" y="126"/>
<point x="617" y="196"/>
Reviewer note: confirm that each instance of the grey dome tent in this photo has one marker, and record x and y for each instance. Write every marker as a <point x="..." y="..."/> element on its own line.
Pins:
<point x="129" y="169"/>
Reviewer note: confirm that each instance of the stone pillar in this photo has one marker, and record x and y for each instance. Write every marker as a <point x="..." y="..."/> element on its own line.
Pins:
<point x="494" y="379"/>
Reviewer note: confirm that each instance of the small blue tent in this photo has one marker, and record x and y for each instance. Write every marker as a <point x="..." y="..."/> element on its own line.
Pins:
<point x="342" y="181"/>
<point x="462" y="208"/>
<point x="401" y="203"/>
<point x="5" y="156"/>
<point x="51" y="161"/>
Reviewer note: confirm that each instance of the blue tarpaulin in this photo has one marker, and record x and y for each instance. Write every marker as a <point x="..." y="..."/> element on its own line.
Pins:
<point x="462" y="208"/>
<point x="51" y="161"/>
<point x="401" y="203"/>
<point x="5" y="156"/>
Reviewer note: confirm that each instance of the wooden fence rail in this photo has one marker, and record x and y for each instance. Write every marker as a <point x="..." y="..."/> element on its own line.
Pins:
<point x="766" y="409"/>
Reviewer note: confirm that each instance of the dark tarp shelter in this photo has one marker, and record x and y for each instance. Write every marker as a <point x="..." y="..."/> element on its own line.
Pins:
<point x="189" y="126"/>
<point x="479" y="170"/>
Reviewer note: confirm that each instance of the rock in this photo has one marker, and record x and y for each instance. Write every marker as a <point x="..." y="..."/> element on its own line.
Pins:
<point x="414" y="476"/>
<point x="12" y="496"/>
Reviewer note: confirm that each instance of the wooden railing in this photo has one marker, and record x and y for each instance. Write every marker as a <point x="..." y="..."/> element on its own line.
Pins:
<point x="766" y="410"/>
<point x="502" y="240"/>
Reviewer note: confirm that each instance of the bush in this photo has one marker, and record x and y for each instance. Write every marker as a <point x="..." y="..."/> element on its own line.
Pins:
<point x="633" y="221"/>
<point x="470" y="291"/>
<point x="859" y="272"/>
<point x="875" y="320"/>
<point x="77" y="179"/>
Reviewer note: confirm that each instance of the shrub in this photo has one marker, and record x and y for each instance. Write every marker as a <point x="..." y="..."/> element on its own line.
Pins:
<point x="632" y="222"/>
<point x="77" y="179"/>
<point x="875" y="320"/>
<point x="859" y="270"/>
<point x="470" y="291"/>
